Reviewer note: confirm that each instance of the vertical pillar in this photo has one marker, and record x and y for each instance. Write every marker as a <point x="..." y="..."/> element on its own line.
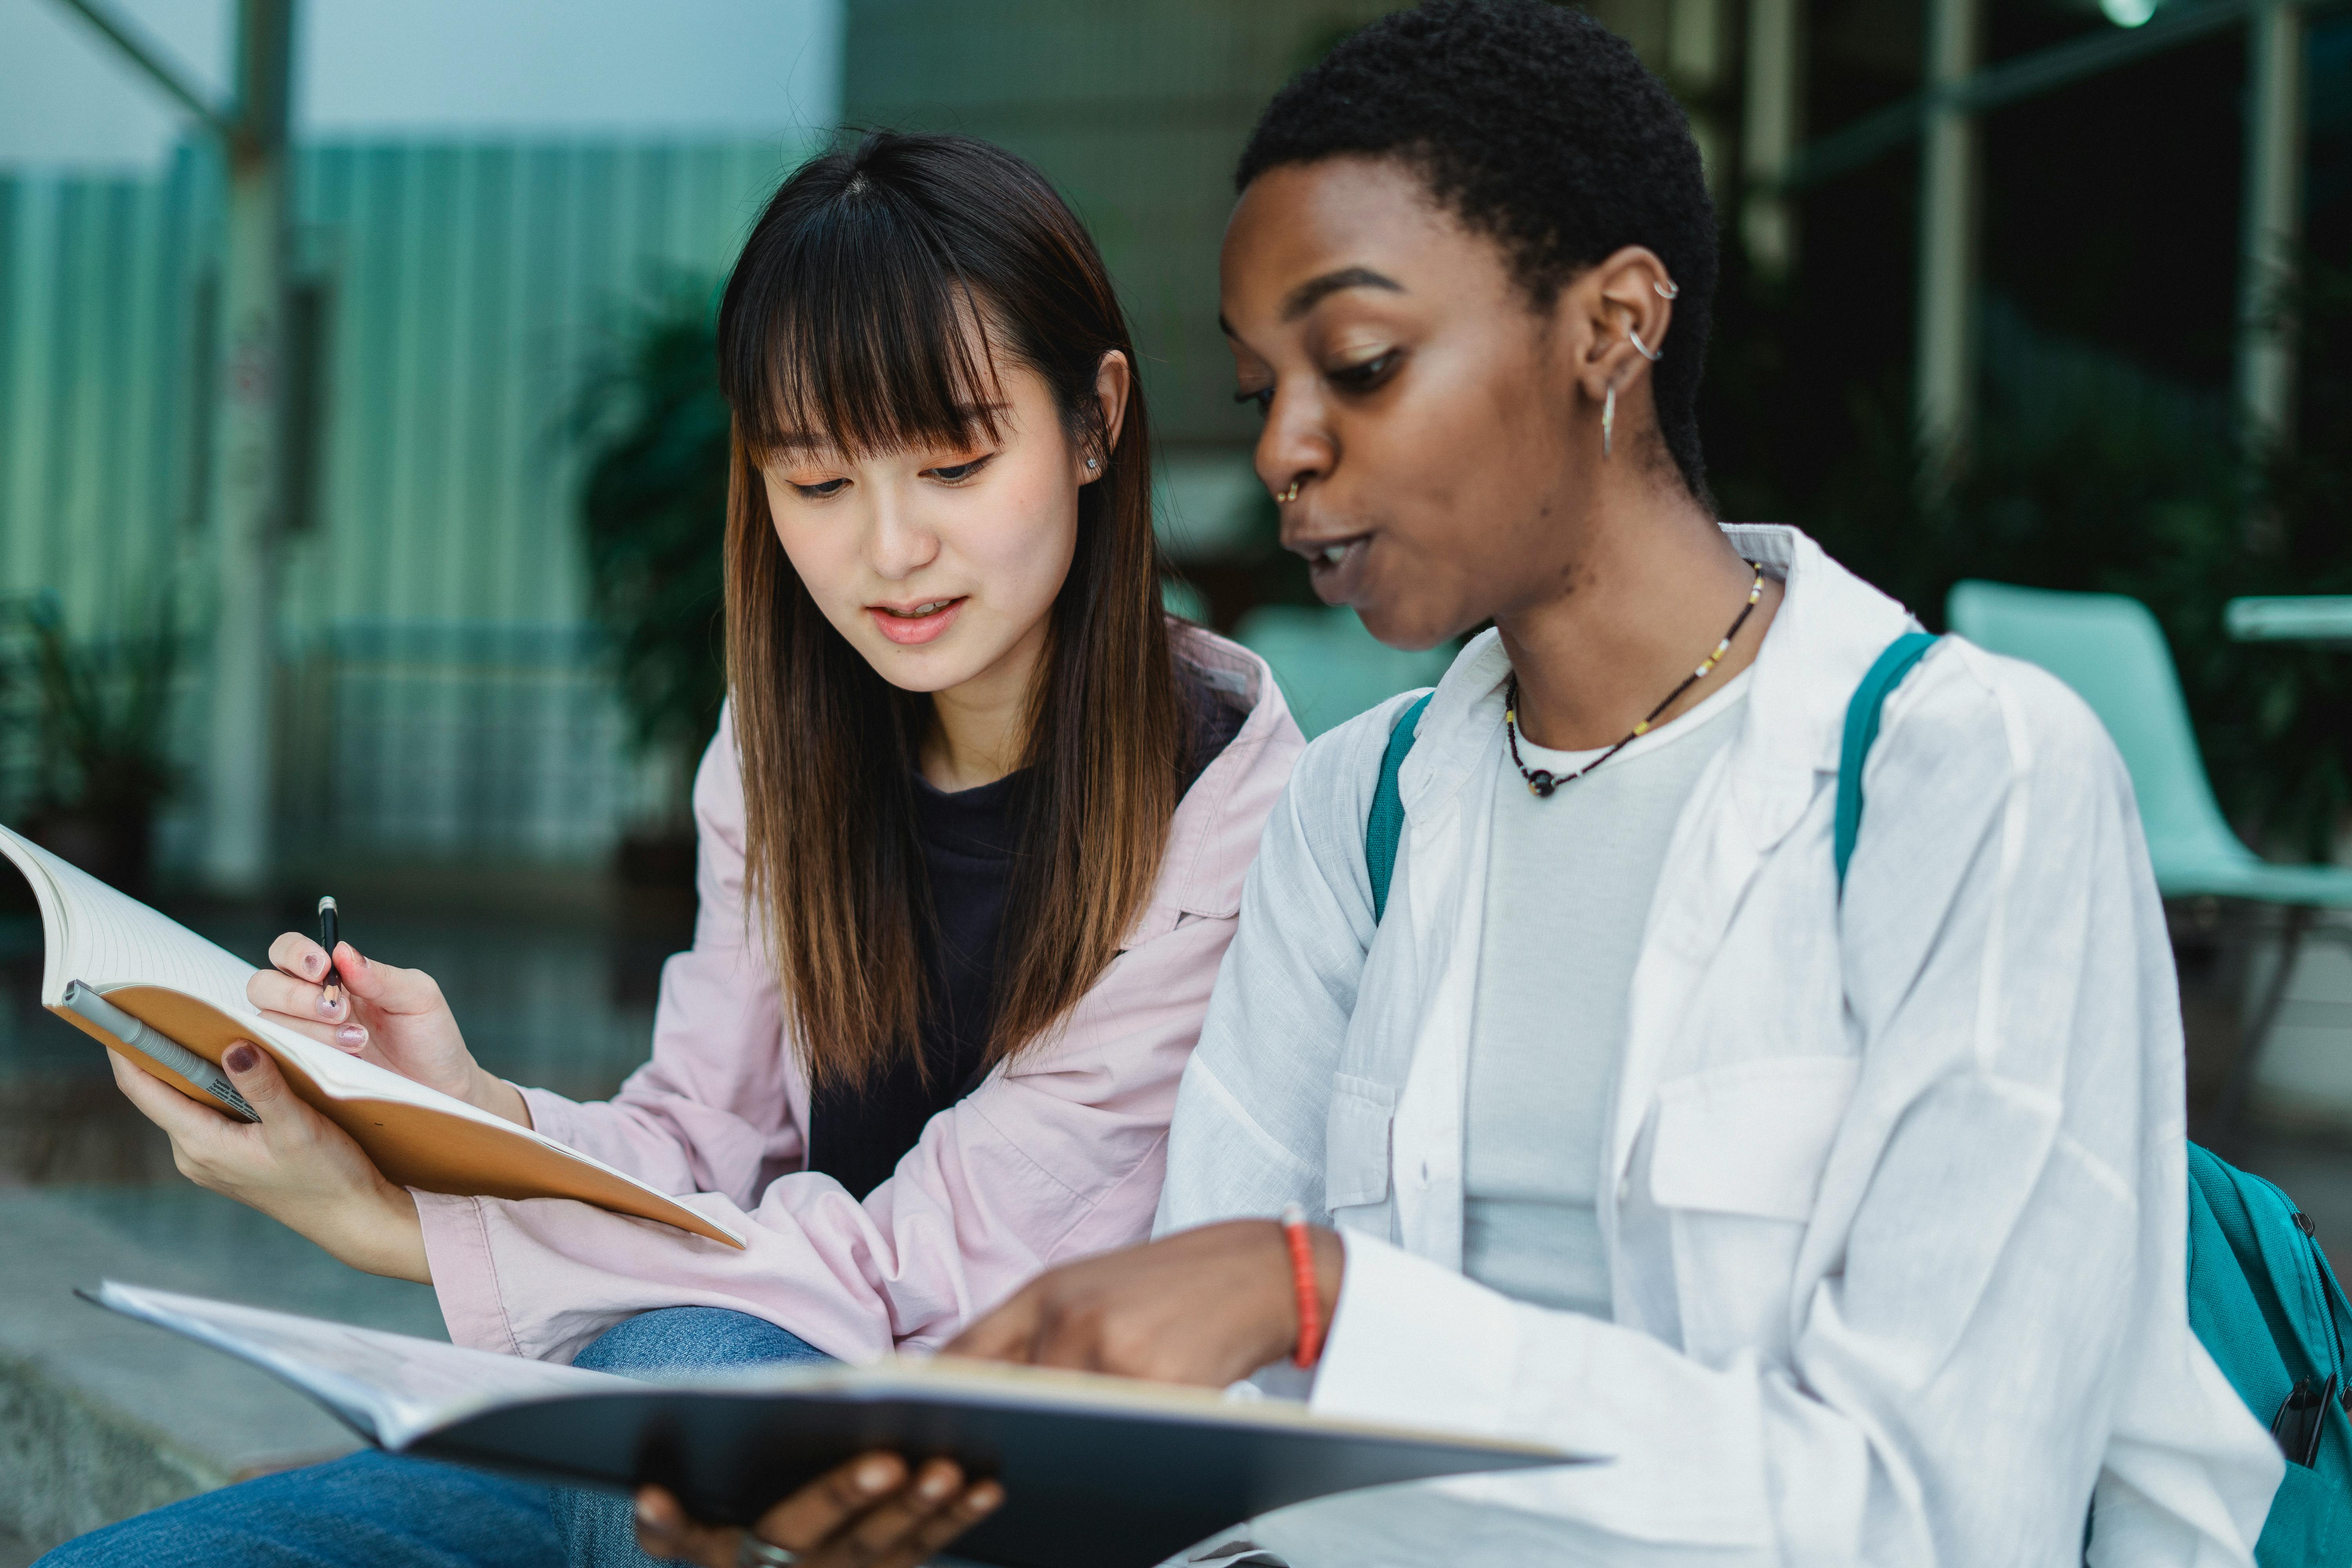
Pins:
<point x="1948" y="176"/>
<point x="1775" y="116"/>
<point x="239" y="750"/>
<point x="1695" y="65"/>
<point x="2272" y="223"/>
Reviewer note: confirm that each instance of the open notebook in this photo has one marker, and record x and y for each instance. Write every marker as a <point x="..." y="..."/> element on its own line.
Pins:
<point x="1098" y="1472"/>
<point x="191" y="993"/>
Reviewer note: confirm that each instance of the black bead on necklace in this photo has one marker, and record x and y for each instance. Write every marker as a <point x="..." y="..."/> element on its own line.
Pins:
<point x="1541" y="782"/>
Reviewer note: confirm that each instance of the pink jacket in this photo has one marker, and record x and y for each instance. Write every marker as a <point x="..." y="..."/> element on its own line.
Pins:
<point x="1056" y="1155"/>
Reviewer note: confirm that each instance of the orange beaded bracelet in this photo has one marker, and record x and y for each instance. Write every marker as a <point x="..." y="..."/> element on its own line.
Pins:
<point x="1302" y="1278"/>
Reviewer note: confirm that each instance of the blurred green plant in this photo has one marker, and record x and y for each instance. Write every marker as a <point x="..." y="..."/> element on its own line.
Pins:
<point x="653" y="508"/>
<point x="2083" y="473"/>
<point x="100" y="733"/>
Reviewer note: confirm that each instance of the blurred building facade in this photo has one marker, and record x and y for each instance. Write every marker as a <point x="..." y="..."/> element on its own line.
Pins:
<point x="441" y="691"/>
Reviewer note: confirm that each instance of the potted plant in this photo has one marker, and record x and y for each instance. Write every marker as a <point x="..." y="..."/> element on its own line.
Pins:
<point x="653" y="511"/>
<point x="101" y="764"/>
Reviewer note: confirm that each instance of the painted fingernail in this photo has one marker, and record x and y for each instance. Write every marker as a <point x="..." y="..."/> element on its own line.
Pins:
<point x="352" y="1035"/>
<point x="874" y="1475"/>
<point x="240" y="1058"/>
<point x="310" y="964"/>
<point x="935" y="1485"/>
<point x="329" y="1007"/>
<point x="984" y="1497"/>
<point x="645" y="1514"/>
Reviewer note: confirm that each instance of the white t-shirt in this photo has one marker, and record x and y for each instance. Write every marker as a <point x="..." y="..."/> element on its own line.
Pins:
<point x="1569" y="883"/>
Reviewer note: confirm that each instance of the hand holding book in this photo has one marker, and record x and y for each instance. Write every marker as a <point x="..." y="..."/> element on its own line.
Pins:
<point x="293" y="1165"/>
<point x="868" y="1513"/>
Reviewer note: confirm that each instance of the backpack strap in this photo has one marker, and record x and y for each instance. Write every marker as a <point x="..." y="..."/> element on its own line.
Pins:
<point x="1384" y="828"/>
<point x="1862" y="728"/>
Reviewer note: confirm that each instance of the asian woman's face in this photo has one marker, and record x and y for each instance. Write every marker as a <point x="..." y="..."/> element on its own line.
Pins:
<point x="940" y="563"/>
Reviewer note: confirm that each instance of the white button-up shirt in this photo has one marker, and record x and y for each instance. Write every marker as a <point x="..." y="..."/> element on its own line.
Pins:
<point x="1893" y="1188"/>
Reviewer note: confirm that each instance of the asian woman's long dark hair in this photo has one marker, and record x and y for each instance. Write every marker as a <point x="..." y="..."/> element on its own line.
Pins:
<point x="878" y="297"/>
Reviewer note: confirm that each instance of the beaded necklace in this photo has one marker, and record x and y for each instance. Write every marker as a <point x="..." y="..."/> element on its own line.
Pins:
<point x="1541" y="782"/>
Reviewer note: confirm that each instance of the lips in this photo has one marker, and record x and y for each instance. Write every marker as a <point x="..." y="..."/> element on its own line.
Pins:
<point x="1336" y="566"/>
<point x="920" y="622"/>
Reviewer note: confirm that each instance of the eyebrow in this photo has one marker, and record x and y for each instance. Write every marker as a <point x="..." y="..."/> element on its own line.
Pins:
<point x="1315" y="290"/>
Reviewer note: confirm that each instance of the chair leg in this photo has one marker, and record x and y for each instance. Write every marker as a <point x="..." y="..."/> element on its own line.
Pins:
<point x="2250" y="1050"/>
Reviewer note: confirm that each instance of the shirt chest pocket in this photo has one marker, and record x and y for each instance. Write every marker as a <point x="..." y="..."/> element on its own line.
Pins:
<point x="1735" y="1169"/>
<point x="1355" y="1141"/>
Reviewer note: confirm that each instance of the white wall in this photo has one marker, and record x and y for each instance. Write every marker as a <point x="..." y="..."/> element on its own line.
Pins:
<point x="702" y="69"/>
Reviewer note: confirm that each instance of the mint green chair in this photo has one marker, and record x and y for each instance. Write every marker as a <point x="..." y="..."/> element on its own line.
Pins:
<point x="1328" y="667"/>
<point x="2111" y="651"/>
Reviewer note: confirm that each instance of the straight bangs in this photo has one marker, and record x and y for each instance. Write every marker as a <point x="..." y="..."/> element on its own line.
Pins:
<point x="856" y="335"/>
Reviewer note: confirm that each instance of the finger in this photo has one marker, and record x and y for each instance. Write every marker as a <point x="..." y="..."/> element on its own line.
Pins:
<point x="818" y="1510"/>
<point x="933" y="1535"/>
<point x="295" y="954"/>
<point x="258" y="1078"/>
<point x="187" y="1122"/>
<point x="1005" y="1334"/>
<point x="891" y="1525"/>
<point x="386" y="985"/>
<point x="296" y="999"/>
<point x="665" y="1532"/>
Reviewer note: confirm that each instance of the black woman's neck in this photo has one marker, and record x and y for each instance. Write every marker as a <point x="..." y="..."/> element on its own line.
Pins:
<point x="1646" y="588"/>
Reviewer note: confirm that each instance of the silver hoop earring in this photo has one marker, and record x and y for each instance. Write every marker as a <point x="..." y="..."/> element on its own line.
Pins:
<point x="1669" y="289"/>
<point x="1608" y="421"/>
<point x="1645" y="349"/>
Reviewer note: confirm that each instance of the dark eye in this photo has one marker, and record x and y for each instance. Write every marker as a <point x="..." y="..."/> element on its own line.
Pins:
<point x="1365" y="375"/>
<point x="819" y="493"/>
<point x="1262" y="396"/>
<point x="955" y="473"/>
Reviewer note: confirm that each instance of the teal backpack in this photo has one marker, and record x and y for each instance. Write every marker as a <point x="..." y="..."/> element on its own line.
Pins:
<point x="2261" y="1295"/>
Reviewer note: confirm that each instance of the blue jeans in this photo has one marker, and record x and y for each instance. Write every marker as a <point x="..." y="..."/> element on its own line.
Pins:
<point x="373" y="1510"/>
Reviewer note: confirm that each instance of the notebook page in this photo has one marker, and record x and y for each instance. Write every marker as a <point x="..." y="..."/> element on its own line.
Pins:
<point x="391" y="1388"/>
<point x="110" y="938"/>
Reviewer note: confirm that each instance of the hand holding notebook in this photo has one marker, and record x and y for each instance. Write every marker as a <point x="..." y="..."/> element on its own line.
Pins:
<point x="192" y="996"/>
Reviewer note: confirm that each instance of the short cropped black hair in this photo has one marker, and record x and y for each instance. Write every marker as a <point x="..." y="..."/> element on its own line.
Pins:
<point x="1535" y="124"/>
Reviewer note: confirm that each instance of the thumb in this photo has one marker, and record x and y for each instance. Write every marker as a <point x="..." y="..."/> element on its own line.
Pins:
<point x="256" y="1075"/>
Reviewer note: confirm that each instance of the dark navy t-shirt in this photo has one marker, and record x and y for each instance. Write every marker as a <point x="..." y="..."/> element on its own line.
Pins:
<point x="968" y="840"/>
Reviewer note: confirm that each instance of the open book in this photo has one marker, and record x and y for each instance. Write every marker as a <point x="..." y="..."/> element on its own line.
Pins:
<point x="1098" y="1472"/>
<point x="173" y="983"/>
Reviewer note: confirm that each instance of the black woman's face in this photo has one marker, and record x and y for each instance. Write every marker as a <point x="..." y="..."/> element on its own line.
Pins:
<point x="1423" y="406"/>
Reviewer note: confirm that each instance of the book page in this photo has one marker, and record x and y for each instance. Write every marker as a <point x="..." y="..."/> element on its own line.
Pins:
<point x="387" y="1387"/>
<point x="110" y="937"/>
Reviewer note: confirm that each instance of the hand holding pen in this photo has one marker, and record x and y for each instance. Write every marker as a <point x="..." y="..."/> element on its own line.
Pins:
<point x="394" y="1017"/>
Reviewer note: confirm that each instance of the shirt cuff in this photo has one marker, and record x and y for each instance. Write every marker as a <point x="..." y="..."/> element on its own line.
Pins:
<point x="1413" y="1344"/>
<point x="551" y="1114"/>
<point x="465" y="1279"/>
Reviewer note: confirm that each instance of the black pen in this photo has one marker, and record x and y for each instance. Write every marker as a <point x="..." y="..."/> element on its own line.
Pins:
<point x="327" y="939"/>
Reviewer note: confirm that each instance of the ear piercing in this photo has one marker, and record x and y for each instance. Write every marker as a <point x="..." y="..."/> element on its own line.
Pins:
<point x="1645" y="349"/>
<point x="1092" y="464"/>
<point x="1669" y="289"/>
<point x="1609" y="419"/>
